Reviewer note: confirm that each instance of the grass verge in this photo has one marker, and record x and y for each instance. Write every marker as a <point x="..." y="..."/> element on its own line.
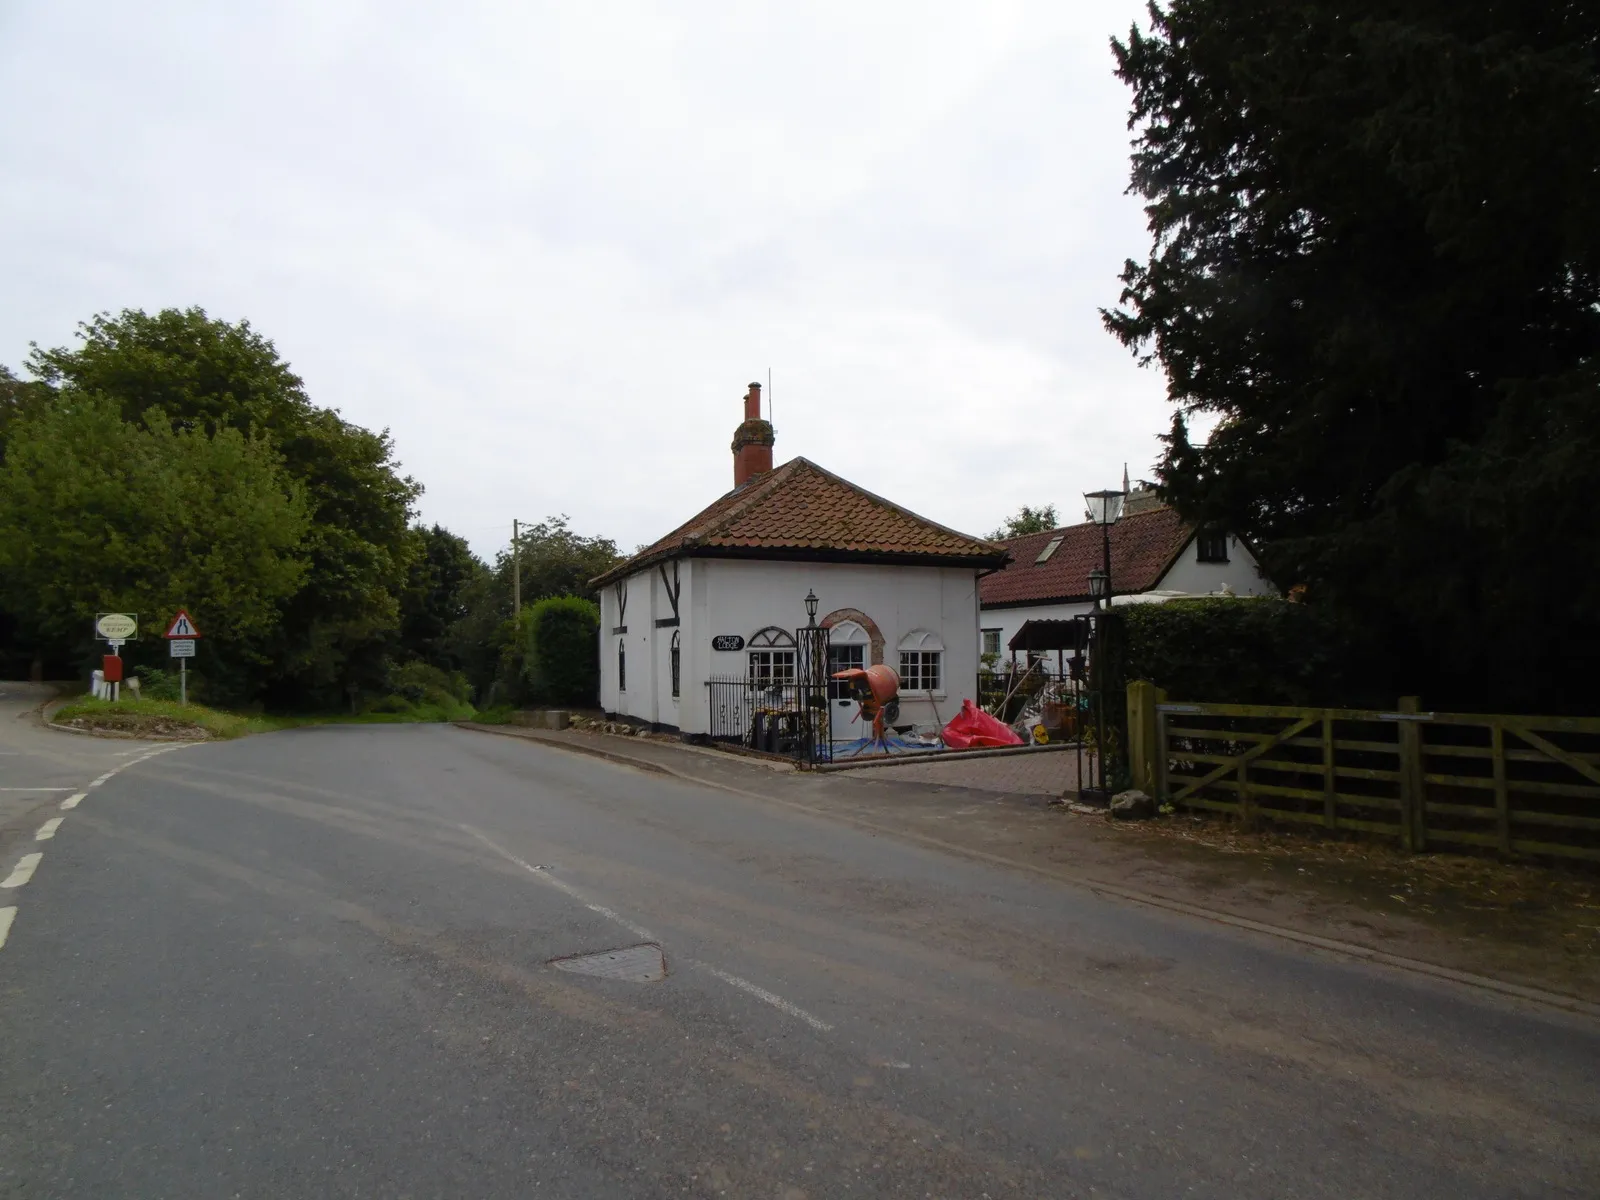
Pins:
<point x="167" y="718"/>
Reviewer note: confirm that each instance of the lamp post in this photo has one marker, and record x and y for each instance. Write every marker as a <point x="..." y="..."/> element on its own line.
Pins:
<point x="813" y="683"/>
<point x="1105" y="509"/>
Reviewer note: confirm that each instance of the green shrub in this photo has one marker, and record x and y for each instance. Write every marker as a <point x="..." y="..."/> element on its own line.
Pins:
<point x="156" y="684"/>
<point x="562" y="655"/>
<point x="388" y="704"/>
<point x="421" y="682"/>
<point x="1245" y="651"/>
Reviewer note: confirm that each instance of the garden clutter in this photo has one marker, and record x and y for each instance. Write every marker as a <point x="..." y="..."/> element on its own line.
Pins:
<point x="972" y="729"/>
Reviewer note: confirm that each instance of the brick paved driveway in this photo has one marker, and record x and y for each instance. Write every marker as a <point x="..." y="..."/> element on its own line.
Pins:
<point x="1047" y="774"/>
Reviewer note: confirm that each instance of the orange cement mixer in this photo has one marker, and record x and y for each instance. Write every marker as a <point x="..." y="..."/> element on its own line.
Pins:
<point x="877" y="690"/>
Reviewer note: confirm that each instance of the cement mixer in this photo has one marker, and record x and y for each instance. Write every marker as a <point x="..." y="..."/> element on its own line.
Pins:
<point x="877" y="690"/>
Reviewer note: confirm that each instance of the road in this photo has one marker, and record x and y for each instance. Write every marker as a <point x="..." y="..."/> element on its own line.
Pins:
<point x="318" y="963"/>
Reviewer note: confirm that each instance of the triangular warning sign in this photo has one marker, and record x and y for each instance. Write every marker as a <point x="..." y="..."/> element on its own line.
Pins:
<point x="182" y="627"/>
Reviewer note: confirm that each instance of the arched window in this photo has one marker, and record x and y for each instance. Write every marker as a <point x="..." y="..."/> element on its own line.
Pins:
<point x="672" y="662"/>
<point x="921" y="662"/>
<point x="772" y="656"/>
<point x="622" y="665"/>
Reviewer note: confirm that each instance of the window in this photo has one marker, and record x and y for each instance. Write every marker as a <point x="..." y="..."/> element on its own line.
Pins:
<point x="1211" y="546"/>
<point x="672" y="663"/>
<point x="769" y="667"/>
<point x="622" y="665"/>
<point x="919" y="670"/>
<point x="848" y="644"/>
<point x="921" y="663"/>
<point x="1050" y="548"/>
<point x="844" y="658"/>
<point x="772" y="656"/>
<point x="991" y="641"/>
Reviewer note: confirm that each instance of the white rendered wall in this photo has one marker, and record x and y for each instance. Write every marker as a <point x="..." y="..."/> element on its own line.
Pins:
<point x="1241" y="572"/>
<point x="743" y="596"/>
<point x="735" y="596"/>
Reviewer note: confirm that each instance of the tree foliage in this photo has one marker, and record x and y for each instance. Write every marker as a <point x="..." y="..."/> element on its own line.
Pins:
<point x="98" y="513"/>
<point x="555" y="561"/>
<point x="437" y="593"/>
<point x="1027" y="520"/>
<point x="208" y="376"/>
<point x="1376" y="266"/>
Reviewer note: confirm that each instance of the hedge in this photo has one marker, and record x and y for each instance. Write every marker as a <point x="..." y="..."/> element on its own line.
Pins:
<point x="1248" y="651"/>
<point x="562" y="660"/>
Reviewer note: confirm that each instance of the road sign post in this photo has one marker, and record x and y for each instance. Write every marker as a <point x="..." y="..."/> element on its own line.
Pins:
<point x="115" y="628"/>
<point x="181" y="635"/>
<point x="182" y="649"/>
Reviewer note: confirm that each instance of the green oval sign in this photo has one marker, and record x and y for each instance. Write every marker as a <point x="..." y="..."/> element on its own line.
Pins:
<point x="116" y="627"/>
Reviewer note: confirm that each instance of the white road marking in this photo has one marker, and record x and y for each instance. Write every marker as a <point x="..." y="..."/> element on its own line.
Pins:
<point x="151" y="753"/>
<point x="26" y="865"/>
<point x="23" y="871"/>
<point x="761" y="993"/>
<point x="744" y="985"/>
<point x="560" y="885"/>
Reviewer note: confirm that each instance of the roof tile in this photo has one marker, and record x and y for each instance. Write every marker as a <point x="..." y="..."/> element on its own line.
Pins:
<point x="1143" y="546"/>
<point x="801" y="506"/>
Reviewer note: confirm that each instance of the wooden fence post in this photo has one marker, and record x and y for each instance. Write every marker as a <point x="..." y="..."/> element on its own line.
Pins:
<point x="1247" y="815"/>
<point x="1142" y="748"/>
<point x="1163" y="789"/>
<point x="1330" y="783"/>
<point x="1413" y="825"/>
<point x="1502" y="798"/>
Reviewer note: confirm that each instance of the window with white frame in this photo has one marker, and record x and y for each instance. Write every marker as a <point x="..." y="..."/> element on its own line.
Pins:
<point x="772" y="657"/>
<point x="848" y="649"/>
<point x="921" y="663"/>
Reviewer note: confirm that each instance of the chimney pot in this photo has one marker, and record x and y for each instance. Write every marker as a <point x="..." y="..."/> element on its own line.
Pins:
<point x="752" y="441"/>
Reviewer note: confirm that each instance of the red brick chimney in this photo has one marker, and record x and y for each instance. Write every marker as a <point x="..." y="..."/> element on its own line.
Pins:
<point x="752" y="441"/>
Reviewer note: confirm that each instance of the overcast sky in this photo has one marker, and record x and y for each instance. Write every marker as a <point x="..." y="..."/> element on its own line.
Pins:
<point x="548" y="245"/>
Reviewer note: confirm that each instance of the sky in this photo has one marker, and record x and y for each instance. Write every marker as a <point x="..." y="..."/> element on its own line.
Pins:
<point x="548" y="245"/>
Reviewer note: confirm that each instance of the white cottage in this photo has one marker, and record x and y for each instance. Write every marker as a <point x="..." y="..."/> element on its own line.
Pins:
<point x="722" y="596"/>
<point x="1153" y="552"/>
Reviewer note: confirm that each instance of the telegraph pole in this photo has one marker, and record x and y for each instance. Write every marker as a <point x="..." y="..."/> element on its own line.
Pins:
<point x="516" y="572"/>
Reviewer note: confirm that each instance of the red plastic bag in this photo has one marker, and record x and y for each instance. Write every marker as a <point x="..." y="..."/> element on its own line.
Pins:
<point x="972" y="728"/>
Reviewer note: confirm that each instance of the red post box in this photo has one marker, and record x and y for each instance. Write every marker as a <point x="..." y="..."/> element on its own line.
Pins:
<point x="111" y="668"/>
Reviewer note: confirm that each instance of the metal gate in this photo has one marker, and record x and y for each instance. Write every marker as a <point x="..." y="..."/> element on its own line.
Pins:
<point x="781" y="710"/>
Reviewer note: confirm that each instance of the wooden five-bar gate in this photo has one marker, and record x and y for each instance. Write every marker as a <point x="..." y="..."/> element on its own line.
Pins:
<point x="1517" y="784"/>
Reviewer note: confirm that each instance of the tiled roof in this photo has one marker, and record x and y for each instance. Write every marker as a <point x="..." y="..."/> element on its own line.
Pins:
<point x="1143" y="547"/>
<point x="800" y="509"/>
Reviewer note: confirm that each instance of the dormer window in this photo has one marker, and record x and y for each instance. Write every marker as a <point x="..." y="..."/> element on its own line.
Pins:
<point x="1050" y="548"/>
<point x="1211" y="546"/>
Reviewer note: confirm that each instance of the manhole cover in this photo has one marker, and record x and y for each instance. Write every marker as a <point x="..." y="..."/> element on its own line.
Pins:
<point x="640" y="964"/>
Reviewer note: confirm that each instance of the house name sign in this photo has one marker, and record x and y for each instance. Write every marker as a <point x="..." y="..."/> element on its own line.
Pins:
<point x="727" y="641"/>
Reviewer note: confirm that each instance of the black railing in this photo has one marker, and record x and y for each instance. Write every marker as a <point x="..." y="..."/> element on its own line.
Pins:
<point x="776" y="716"/>
<point x="1040" y="694"/>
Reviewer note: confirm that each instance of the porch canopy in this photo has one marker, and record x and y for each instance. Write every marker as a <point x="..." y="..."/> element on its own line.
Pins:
<point x="1039" y="635"/>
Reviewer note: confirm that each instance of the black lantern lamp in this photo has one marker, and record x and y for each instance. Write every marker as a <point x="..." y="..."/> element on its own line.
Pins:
<point x="811" y="607"/>
<point x="1099" y="584"/>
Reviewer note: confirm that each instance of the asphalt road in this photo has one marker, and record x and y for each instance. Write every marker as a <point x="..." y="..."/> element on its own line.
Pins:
<point x="317" y="963"/>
